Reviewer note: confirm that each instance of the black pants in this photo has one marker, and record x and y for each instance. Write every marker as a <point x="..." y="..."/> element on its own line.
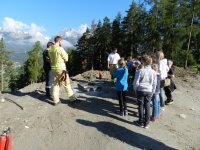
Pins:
<point x="144" y="99"/>
<point x="122" y="100"/>
<point x="47" y="79"/>
<point x="168" y="93"/>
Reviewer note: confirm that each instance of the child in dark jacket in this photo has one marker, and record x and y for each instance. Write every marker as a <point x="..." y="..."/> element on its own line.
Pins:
<point x="122" y="85"/>
<point x="171" y="85"/>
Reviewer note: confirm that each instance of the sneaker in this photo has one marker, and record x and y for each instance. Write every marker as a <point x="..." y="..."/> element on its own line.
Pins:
<point x="125" y="113"/>
<point x="169" y="102"/>
<point x="139" y="124"/>
<point x="146" y="126"/>
<point x="162" y="108"/>
<point x="153" y="119"/>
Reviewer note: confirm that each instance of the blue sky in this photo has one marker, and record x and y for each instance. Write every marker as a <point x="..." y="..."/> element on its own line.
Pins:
<point x="57" y="15"/>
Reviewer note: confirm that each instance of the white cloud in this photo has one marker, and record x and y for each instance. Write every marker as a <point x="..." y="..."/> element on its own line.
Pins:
<point x="36" y="30"/>
<point x="83" y="28"/>
<point x="73" y="33"/>
<point x="36" y="33"/>
<point x="66" y="44"/>
<point x="23" y="34"/>
<point x="10" y="25"/>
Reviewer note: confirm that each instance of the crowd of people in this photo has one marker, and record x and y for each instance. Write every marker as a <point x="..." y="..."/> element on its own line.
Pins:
<point x="151" y="78"/>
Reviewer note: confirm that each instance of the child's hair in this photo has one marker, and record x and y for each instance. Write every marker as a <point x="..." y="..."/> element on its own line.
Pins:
<point x="159" y="55"/>
<point x="154" y="67"/>
<point x="122" y="63"/>
<point x="147" y="60"/>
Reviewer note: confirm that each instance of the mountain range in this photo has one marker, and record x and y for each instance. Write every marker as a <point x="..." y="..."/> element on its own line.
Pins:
<point x="20" y="42"/>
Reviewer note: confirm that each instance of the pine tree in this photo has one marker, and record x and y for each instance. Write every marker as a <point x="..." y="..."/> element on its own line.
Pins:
<point x="33" y="65"/>
<point x="117" y="36"/>
<point x="32" y="70"/>
<point x="6" y="66"/>
<point x="134" y="30"/>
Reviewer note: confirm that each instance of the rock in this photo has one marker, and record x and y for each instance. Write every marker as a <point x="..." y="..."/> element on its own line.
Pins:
<point x="27" y="127"/>
<point x="192" y="109"/>
<point x="2" y="100"/>
<point x="182" y="116"/>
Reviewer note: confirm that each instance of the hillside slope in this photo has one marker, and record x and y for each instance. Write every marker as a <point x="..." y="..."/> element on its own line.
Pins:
<point x="93" y="124"/>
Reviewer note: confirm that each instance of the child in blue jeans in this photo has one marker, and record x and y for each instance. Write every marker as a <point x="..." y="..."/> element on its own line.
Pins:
<point x="156" y="97"/>
<point x="122" y="85"/>
<point x="145" y="85"/>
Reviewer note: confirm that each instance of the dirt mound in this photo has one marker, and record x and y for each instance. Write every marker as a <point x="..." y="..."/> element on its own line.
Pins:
<point x="92" y="75"/>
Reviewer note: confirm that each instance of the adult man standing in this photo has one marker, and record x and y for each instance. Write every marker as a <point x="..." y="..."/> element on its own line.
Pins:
<point x="47" y="68"/>
<point x="58" y="59"/>
<point x="113" y="59"/>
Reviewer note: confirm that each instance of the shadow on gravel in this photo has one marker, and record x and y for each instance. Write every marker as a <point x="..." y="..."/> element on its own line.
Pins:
<point x="37" y="95"/>
<point x="123" y="134"/>
<point x="101" y="107"/>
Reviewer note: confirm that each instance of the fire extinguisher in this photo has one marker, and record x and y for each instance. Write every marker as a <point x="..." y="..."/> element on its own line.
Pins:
<point x="100" y="75"/>
<point x="6" y="140"/>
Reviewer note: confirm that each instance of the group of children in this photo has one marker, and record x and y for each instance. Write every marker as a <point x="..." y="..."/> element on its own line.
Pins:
<point x="151" y="78"/>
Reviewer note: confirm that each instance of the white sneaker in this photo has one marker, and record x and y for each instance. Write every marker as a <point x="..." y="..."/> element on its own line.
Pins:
<point x="162" y="108"/>
<point x="146" y="127"/>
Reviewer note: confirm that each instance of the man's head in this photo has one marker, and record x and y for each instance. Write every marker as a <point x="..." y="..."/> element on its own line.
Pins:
<point x="58" y="40"/>
<point x="49" y="44"/>
<point x="115" y="50"/>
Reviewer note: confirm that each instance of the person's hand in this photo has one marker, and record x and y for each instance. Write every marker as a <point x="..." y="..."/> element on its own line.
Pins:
<point x="108" y="67"/>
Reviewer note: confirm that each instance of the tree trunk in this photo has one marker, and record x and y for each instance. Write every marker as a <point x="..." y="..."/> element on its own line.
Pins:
<point x="190" y="35"/>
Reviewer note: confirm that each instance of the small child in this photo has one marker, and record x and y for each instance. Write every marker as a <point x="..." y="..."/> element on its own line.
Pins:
<point x="156" y="97"/>
<point x="122" y="85"/>
<point x="145" y="85"/>
<point x="171" y="87"/>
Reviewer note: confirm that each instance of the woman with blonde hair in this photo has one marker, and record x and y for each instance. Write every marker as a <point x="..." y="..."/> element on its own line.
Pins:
<point x="155" y="97"/>
<point x="122" y="85"/>
<point x="163" y="70"/>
